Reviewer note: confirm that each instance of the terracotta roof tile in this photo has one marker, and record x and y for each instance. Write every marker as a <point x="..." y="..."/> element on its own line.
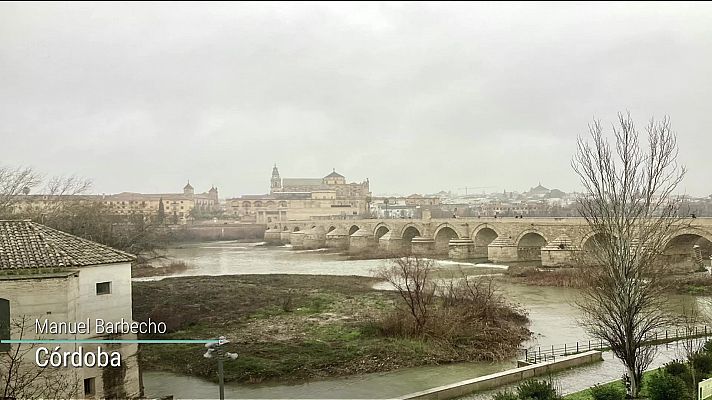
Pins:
<point x="25" y="244"/>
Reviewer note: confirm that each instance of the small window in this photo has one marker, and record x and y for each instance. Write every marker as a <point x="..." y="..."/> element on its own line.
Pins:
<point x="89" y="387"/>
<point x="103" y="288"/>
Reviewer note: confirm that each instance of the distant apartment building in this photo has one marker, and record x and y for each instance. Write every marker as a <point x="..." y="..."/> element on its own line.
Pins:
<point x="303" y="199"/>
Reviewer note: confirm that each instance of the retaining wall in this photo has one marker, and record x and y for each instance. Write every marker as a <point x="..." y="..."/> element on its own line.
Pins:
<point x="492" y="381"/>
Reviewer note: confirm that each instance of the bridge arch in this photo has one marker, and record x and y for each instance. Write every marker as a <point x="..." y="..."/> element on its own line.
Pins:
<point x="688" y="250"/>
<point x="331" y="228"/>
<point x="482" y="236"/>
<point x="408" y="233"/>
<point x="443" y="234"/>
<point x="296" y="229"/>
<point x="459" y="230"/>
<point x="590" y="245"/>
<point x="380" y="230"/>
<point x="529" y="244"/>
<point x="353" y="229"/>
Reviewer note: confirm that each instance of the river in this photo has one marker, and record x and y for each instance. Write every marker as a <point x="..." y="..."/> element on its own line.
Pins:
<point x="553" y="321"/>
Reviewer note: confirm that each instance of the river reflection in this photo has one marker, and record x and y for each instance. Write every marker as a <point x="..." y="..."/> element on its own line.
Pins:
<point x="552" y="315"/>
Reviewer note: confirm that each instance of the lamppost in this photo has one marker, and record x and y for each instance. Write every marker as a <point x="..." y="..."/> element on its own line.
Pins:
<point x="221" y="356"/>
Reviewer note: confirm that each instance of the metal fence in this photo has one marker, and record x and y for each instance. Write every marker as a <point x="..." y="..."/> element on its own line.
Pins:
<point x="537" y="354"/>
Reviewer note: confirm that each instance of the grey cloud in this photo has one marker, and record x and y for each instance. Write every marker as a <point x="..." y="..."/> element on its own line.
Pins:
<point x="417" y="97"/>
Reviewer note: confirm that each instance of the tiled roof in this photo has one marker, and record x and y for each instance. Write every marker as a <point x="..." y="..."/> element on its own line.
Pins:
<point x="334" y="175"/>
<point x="25" y="244"/>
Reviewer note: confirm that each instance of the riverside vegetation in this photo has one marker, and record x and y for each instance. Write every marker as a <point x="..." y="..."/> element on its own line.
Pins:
<point x="698" y="283"/>
<point x="293" y="327"/>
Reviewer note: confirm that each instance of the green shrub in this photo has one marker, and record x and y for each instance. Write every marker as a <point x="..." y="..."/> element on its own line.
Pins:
<point x="676" y="368"/>
<point x="506" y="395"/>
<point x="537" y="390"/>
<point x="702" y="362"/>
<point x="607" y="393"/>
<point x="663" y="386"/>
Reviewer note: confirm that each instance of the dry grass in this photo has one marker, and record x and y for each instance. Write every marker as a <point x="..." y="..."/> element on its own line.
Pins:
<point x="560" y="277"/>
<point x="293" y="327"/>
<point x="694" y="284"/>
<point x="465" y="315"/>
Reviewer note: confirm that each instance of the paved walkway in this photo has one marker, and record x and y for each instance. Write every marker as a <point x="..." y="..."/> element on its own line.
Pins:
<point x="580" y="378"/>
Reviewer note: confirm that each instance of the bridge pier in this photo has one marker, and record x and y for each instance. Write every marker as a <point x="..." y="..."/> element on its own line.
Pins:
<point x="337" y="239"/>
<point x="272" y="236"/>
<point x="560" y="252"/>
<point x="315" y="238"/>
<point x="361" y="241"/>
<point x="284" y="236"/>
<point x="502" y="249"/>
<point x="422" y="246"/>
<point x="461" y="249"/>
<point x="390" y="244"/>
<point x="296" y="239"/>
<point x="678" y="263"/>
<point x="479" y="251"/>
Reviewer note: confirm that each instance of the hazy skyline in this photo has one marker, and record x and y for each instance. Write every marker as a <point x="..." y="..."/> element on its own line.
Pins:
<point x="417" y="97"/>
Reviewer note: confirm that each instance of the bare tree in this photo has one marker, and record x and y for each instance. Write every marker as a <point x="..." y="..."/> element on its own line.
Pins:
<point x="629" y="204"/>
<point x="57" y="192"/>
<point x="14" y="182"/>
<point x="691" y="347"/>
<point x="21" y="378"/>
<point x="410" y="276"/>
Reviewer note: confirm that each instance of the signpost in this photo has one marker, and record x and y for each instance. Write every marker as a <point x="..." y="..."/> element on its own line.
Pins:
<point x="704" y="389"/>
<point x="222" y="356"/>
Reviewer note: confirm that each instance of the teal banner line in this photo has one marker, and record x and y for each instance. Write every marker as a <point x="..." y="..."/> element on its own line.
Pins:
<point x="109" y="341"/>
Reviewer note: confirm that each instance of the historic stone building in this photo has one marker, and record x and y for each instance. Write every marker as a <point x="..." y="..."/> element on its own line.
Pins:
<point x="330" y="197"/>
<point x="50" y="275"/>
<point x="178" y="208"/>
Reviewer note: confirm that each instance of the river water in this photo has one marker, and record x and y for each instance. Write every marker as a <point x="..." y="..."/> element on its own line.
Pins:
<point x="553" y="321"/>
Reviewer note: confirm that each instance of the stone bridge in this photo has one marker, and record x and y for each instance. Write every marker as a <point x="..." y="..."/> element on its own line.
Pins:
<point x="553" y="241"/>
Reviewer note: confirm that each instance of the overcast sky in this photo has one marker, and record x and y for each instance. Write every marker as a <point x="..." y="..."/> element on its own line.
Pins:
<point x="416" y="97"/>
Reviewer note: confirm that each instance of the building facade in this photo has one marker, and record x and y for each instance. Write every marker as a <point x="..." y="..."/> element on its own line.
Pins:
<point x="50" y="275"/>
<point x="178" y="208"/>
<point x="304" y="198"/>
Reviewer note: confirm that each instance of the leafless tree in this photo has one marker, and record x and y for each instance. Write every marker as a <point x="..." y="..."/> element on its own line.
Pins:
<point x="14" y="182"/>
<point x="21" y="378"/>
<point x="691" y="347"/>
<point x="629" y="204"/>
<point x="57" y="192"/>
<point x="410" y="276"/>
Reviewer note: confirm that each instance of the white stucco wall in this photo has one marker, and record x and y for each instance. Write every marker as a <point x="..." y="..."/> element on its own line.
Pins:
<point x="109" y="307"/>
<point x="72" y="297"/>
<point x="51" y="298"/>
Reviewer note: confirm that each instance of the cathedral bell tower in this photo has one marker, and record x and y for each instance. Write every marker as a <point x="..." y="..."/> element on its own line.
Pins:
<point x="276" y="181"/>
